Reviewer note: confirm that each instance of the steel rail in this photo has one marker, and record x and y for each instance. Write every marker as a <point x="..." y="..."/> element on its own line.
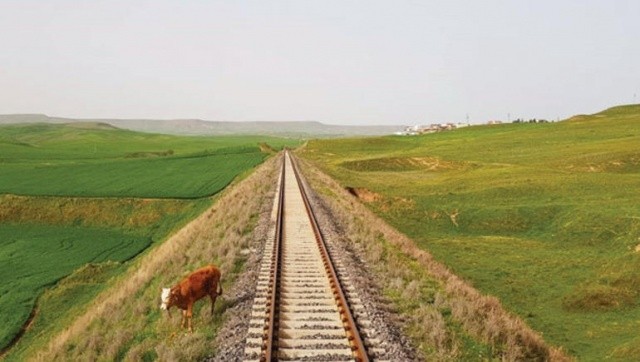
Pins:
<point x="270" y="336"/>
<point x="351" y="329"/>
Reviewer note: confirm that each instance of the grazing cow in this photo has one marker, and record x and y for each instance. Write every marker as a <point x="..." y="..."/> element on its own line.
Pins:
<point x="202" y="282"/>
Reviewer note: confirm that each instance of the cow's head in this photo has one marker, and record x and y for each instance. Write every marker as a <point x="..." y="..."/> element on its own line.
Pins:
<point x="165" y="298"/>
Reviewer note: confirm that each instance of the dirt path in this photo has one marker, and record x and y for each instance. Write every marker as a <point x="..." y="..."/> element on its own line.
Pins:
<point x="25" y="327"/>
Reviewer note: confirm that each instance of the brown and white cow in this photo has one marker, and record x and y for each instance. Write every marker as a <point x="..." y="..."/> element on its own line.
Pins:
<point x="202" y="282"/>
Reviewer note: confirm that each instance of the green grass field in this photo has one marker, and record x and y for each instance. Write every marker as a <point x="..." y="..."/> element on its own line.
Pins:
<point x="544" y="216"/>
<point x="77" y="194"/>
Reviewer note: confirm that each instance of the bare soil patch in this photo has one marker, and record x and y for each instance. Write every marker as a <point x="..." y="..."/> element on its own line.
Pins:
<point x="364" y="194"/>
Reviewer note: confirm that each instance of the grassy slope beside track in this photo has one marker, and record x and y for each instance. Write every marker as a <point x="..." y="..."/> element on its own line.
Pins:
<point x="43" y="239"/>
<point x="544" y="216"/>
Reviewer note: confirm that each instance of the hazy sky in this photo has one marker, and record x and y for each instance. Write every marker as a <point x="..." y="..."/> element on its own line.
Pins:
<point x="341" y="62"/>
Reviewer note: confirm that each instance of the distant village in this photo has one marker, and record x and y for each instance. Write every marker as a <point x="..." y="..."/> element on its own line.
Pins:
<point x="440" y="127"/>
<point x="433" y="128"/>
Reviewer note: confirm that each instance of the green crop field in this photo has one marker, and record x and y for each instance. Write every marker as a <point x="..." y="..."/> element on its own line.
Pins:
<point x="544" y="216"/>
<point x="39" y="160"/>
<point x="35" y="256"/>
<point x="89" y="195"/>
<point x="166" y="177"/>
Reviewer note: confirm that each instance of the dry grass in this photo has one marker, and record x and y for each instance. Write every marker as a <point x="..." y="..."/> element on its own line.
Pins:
<point x="100" y="212"/>
<point x="431" y="297"/>
<point x="124" y="322"/>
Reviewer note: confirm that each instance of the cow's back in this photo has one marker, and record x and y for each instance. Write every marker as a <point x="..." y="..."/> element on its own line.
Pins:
<point x="201" y="282"/>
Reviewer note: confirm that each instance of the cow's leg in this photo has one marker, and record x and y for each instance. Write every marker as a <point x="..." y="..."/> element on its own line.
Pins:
<point x="213" y="296"/>
<point x="189" y="315"/>
<point x="184" y="318"/>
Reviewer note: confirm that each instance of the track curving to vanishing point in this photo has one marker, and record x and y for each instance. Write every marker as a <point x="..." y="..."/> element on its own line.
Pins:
<point x="305" y="308"/>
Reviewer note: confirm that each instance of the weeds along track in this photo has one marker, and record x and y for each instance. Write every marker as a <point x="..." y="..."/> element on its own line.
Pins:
<point x="304" y="309"/>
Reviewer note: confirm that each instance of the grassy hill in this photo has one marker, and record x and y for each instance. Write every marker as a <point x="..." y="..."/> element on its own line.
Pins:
<point x="42" y="141"/>
<point x="84" y="198"/>
<point x="544" y="216"/>
<point x="200" y="127"/>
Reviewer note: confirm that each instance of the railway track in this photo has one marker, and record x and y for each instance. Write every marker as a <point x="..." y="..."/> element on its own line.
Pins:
<point x="304" y="309"/>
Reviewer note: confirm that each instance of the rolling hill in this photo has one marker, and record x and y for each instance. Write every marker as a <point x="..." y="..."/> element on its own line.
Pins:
<point x="201" y="127"/>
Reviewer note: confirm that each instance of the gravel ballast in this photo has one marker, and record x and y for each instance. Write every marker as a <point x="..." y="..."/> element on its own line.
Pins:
<point x="387" y="341"/>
